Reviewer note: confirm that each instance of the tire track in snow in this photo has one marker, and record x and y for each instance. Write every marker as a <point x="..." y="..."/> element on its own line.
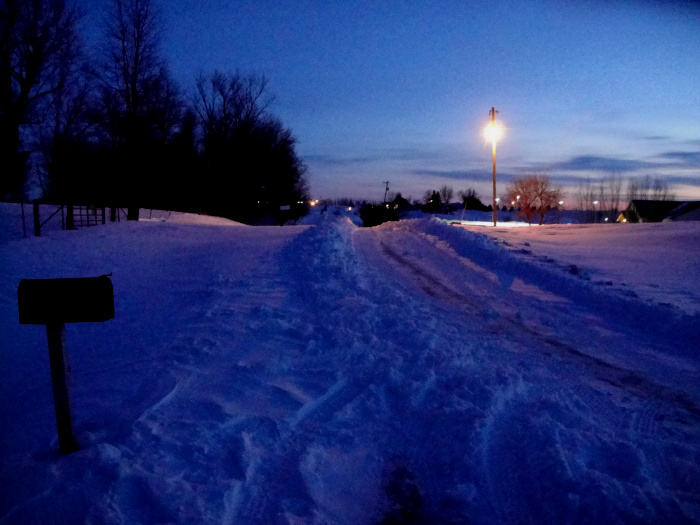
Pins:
<point x="434" y="286"/>
<point x="604" y="393"/>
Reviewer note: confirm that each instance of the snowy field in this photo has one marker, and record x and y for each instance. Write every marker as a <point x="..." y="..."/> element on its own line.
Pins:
<point x="416" y="372"/>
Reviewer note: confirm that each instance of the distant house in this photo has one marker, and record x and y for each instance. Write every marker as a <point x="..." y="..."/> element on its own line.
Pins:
<point x="658" y="211"/>
<point x="688" y="211"/>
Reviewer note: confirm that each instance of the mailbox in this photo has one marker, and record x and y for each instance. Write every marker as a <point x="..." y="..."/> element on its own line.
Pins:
<point x="59" y="301"/>
<point x="55" y="302"/>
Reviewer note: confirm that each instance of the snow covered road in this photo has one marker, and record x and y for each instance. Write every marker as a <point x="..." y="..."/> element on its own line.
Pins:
<point x="414" y="371"/>
<point x="590" y="405"/>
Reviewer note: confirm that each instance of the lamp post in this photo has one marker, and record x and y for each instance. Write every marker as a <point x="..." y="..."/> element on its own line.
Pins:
<point x="493" y="133"/>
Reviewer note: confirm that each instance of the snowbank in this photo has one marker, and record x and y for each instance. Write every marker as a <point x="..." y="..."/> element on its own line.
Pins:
<point x="333" y="374"/>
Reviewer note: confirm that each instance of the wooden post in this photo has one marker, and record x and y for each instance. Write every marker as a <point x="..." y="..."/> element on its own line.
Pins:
<point x="70" y="218"/>
<point x="24" y="225"/>
<point x="37" y="223"/>
<point x="56" y="334"/>
<point x="53" y="303"/>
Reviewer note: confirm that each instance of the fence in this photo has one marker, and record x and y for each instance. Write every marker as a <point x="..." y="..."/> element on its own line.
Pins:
<point x="21" y="220"/>
<point x="72" y="217"/>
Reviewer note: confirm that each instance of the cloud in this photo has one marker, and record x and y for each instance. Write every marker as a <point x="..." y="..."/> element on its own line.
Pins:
<point x="594" y="163"/>
<point x="331" y="160"/>
<point x="448" y="174"/>
<point x="693" y="180"/>
<point x="375" y="156"/>
<point x="657" y="137"/>
<point x="688" y="159"/>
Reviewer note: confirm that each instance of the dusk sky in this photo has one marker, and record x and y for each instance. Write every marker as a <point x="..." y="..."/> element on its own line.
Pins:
<point x="401" y="90"/>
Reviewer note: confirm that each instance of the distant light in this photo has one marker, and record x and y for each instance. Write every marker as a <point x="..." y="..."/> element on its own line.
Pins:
<point x="518" y="197"/>
<point x="312" y="203"/>
<point x="561" y="203"/>
<point x="349" y="208"/>
<point x="606" y="219"/>
<point x="493" y="132"/>
<point x="595" y="203"/>
<point x="498" y="199"/>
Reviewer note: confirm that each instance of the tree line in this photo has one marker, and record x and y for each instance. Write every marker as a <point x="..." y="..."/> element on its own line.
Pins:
<point x="605" y="199"/>
<point x="112" y="127"/>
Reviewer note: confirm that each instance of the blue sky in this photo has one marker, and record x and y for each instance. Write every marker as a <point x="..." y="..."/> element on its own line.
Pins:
<point x="401" y="90"/>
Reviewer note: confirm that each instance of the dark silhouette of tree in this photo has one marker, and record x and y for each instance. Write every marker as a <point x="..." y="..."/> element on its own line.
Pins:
<point x="111" y="129"/>
<point x="446" y="194"/>
<point x="432" y="202"/>
<point x="141" y="107"/>
<point x="38" y="45"/>
<point x="535" y="194"/>
<point x="65" y="171"/>
<point x="399" y="203"/>
<point x="471" y="201"/>
<point x="252" y="165"/>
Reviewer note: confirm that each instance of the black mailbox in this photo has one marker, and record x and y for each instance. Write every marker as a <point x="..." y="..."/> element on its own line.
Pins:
<point x="58" y="301"/>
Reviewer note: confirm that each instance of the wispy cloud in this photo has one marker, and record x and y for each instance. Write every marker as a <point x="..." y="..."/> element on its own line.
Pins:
<point x="594" y="163"/>
<point x="687" y="159"/>
<point x="376" y="156"/>
<point x="332" y="160"/>
<point x="693" y="180"/>
<point x="445" y="174"/>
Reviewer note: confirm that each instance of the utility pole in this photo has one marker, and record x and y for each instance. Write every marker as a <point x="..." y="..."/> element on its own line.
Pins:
<point x="387" y="188"/>
<point x="492" y="114"/>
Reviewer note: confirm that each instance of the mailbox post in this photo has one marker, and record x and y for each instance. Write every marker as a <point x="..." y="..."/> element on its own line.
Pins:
<point x="53" y="303"/>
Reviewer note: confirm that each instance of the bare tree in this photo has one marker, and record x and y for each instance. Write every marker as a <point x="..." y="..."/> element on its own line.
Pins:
<point x="602" y="207"/>
<point x="446" y="194"/>
<point x="248" y="152"/>
<point x="645" y="188"/>
<point x="614" y="182"/>
<point x="536" y="195"/>
<point x="632" y="189"/>
<point x="586" y="197"/>
<point x="224" y="102"/>
<point x="140" y="103"/>
<point x="131" y="63"/>
<point x="38" y="42"/>
<point x="660" y="191"/>
<point x="608" y="197"/>
<point x="68" y="124"/>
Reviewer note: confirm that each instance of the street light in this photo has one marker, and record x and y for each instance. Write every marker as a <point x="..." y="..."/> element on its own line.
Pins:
<point x="493" y="132"/>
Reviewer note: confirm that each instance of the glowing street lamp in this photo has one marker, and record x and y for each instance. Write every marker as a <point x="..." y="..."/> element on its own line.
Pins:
<point x="493" y="132"/>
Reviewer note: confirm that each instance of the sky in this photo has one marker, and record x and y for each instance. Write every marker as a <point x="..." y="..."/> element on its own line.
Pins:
<point x="400" y="91"/>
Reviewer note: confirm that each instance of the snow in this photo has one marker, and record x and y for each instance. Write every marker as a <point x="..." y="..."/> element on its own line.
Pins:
<point x="655" y="261"/>
<point x="325" y="373"/>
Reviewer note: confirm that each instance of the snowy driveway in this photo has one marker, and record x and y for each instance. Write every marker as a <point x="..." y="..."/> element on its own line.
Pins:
<point x="584" y="409"/>
<point x="332" y="374"/>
